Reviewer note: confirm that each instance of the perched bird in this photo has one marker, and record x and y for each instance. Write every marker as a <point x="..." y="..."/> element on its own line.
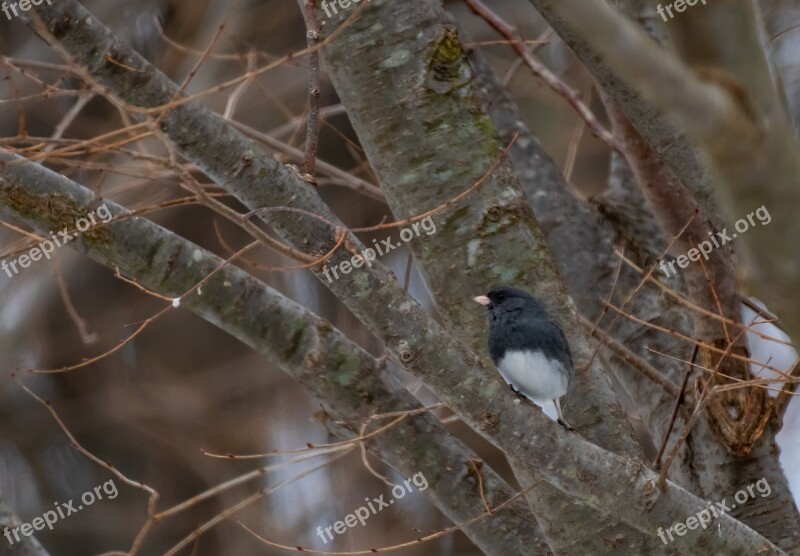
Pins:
<point x="529" y="349"/>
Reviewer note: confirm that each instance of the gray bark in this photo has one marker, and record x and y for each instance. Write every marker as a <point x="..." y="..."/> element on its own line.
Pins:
<point x="259" y="181"/>
<point x="745" y="143"/>
<point x="494" y="239"/>
<point x="706" y="463"/>
<point x="781" y="41"/>
<point x="28" y="546"/>
<point x="350" y="383"/>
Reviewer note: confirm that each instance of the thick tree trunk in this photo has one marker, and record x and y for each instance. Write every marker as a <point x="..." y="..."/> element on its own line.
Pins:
<point x="435" y="124"/>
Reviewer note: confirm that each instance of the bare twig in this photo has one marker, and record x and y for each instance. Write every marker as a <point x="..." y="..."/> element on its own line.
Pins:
<point x="631" y="358"/>
<point x="312" y="126"/>
<point x="539" y="69"/>
<point x="675" y="408"/>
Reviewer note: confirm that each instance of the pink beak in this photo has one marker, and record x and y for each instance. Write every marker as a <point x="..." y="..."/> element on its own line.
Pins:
<point x="482" y="299"/>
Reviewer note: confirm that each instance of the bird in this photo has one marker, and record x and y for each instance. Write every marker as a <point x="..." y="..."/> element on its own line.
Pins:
<point x="529" y="349"/>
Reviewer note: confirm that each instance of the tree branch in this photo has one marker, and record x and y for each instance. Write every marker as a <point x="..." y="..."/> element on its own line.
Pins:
<point x="28" y="546"/>
<point x="350" y="383"/>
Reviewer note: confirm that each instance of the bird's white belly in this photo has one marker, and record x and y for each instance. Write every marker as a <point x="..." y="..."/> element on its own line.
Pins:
<point x="532" y="373"/>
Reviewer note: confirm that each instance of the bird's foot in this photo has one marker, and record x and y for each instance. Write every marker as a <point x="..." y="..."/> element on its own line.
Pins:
<point x="519" y="394"/>
<point x="566" y="425"/>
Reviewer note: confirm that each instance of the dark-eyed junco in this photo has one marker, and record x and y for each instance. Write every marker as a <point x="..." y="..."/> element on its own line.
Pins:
<point x="529" y="349"/>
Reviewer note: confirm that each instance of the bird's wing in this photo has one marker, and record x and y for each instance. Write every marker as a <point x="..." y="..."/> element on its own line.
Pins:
<point x="563" y="347"/>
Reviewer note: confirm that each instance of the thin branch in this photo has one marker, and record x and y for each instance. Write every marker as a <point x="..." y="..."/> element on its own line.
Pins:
<point x="539" y="69"/>
<point x="632" y="359"/>
<point x="312" y="126"/>
<point x="678" y="401"/>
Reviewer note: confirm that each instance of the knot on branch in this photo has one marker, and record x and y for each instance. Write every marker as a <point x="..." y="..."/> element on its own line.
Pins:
<point x="405" y="352"/>
<point x="489" y="419"/>
<point x="448" y="68"/>
<point x="736" y="415"/>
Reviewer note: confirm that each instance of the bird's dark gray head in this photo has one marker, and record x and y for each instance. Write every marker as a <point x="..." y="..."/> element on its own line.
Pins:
<point x="505" y="299"/>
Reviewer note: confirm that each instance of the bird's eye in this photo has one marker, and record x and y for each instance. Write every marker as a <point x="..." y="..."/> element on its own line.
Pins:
<point x="501" y="296"/>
